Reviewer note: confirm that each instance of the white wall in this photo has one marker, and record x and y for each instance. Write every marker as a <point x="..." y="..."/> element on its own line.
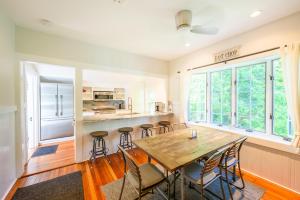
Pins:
<point x="41" y="44"/>
<point x="7" y="105"/>
<point x="275" y="165"/>
<point x="52" y="49"/>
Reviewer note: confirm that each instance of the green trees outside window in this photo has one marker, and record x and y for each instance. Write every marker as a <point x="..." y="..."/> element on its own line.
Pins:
<point x="251" y="97"/>
<point x="197" y="98"/>
<point x="221" y="97"/>
<point x="257" y="99"/>
<point x="281" y="123"/>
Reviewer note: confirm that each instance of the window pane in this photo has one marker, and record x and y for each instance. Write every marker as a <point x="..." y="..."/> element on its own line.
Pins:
<point x="281" y="122"/>
<point x="197" y="98"/>
<point x="221" y="97"/>
<point x="251" y="97"/>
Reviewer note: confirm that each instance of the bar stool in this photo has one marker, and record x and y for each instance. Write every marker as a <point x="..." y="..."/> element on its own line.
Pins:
<point x="165" y="126"/>
<point x="146" y="129"/>
<point x="125" y="137"/>
<point x="99" y="146"/>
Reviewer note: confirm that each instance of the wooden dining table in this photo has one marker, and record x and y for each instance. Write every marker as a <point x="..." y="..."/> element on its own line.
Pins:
<point x="176" y="149"/>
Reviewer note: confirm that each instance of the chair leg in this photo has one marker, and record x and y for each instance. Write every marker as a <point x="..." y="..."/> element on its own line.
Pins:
<point x="241" y="176"/>
<point x="202" y="193"/>
<point x="221" y="185"/>
<point x="228" y="185"/>
<point x="123" y="184"/>
<point x="150" y="132"/>
<point x="234" y="173"/>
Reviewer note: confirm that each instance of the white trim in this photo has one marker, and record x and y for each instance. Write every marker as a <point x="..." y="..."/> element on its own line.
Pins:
<point x="270" y="181"/>
<point x="7" y="109"/>
<point x="57" y="140"/>
<point x="262" y="139"/>
<point x="9" y="189"/>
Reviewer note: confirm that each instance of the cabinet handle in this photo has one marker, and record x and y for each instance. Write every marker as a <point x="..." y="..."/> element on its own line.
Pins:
<point x="61" y="105"/>
<point x="56" y="97"/>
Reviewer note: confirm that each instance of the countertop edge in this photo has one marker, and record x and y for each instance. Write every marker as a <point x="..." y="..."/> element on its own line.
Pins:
<point x="124" y="117"/>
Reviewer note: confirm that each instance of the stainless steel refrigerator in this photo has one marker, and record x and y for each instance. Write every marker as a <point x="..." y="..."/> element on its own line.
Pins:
<point x="57" y="110"/>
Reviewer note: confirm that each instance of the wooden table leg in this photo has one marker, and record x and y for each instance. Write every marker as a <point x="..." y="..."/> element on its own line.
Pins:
<point x="182" y="184"/>
<point x="149" y="159"/>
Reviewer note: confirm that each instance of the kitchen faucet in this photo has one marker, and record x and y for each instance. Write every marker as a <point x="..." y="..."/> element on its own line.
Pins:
<point x="130" y="104"/>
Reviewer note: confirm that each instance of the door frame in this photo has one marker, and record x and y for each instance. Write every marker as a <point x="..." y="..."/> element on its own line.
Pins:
<point x="35" y="109"/>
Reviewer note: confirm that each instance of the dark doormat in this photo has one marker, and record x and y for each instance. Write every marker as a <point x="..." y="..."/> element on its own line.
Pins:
<point x="45" y="150"/>
<point x="68" y="187"/>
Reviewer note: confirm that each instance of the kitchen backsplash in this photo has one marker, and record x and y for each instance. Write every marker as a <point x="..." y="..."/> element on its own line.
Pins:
<point x="90" y="105"/>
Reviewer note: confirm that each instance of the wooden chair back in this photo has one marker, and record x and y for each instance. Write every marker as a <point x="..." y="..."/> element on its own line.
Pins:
<point x="132" y="166"/>
<point x="234" y="150"/>
<point x="212" y="163"/>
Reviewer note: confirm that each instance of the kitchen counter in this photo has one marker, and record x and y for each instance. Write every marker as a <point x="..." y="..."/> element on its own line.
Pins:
<point x="112" y="122"/>
<point x="90" y="117"/>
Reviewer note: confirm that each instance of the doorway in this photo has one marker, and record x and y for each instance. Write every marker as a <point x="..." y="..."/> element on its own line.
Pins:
<point x="49" y="116"/>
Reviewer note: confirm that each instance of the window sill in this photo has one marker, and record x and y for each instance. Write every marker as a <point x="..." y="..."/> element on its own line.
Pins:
<point x="270" y="141"/>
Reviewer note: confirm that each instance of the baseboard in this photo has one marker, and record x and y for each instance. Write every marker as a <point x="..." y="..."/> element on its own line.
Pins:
<point x="64" y="139"/>
<point x="272" y="182"/>
<point x="9" y="189"/>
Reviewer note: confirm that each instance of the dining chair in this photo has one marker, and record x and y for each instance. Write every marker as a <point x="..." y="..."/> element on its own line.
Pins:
<point x="231" y="160"/>
<point x="205" y="173"/>
<point x="143" y="178"/>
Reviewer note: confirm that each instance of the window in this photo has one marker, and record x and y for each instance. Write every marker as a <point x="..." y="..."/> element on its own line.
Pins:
<point x="251" y="97"/>
<point x="221" y="97"/>
<point x="197" y="98"/>
<point x="281" y="122"/>
<point x="256" y="102"/>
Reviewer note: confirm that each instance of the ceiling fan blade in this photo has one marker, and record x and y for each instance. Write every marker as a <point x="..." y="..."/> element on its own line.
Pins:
<point x="204" y="30"/>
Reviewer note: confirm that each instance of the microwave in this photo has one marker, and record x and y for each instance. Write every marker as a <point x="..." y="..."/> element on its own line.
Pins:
<point x="103" y="95"/>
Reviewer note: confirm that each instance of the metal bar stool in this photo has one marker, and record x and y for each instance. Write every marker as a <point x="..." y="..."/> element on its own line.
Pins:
<point x="125" y="137"/>
<point x="99" y="146"/>
<point x="146" y="129"/>
<point x="165" y="126"/>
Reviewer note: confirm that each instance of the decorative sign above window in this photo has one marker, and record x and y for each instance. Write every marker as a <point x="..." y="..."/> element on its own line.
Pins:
<point x="227" y="54"/>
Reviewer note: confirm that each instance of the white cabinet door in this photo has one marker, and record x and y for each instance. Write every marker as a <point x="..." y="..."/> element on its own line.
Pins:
<point x="65" y="96"/>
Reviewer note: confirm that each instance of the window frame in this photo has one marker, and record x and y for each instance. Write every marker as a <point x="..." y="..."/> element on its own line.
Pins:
<point x="273" y="103"/>
<point x="269" y="101"/>
<point x="236" y="96"/>
<point x="188" y="104"/>
<point x="210" y="95"/>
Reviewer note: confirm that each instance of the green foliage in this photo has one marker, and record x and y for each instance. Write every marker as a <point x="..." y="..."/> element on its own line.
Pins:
<point x="250" y="98"/>
<point x="281" y="125"/>
<point x="221" y="97"/>
<point x="197" y="98"/>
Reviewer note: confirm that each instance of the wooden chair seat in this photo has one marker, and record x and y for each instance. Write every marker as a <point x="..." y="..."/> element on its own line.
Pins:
<point x="99" y="133"/>
<point x="125" y="129"/>
<point x="150" y="175"/>
<point x="146" y="126"/>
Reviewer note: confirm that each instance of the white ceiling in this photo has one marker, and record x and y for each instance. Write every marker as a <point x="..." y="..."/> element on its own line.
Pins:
<point x="145" y="27"/>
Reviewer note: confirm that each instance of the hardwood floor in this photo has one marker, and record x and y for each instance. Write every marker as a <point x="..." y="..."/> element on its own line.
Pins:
<point x="64" y="156"/>
<point x="102" y="172"/>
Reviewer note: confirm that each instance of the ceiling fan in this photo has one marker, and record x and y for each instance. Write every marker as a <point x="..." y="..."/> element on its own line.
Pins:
<point x="183" y="20"/>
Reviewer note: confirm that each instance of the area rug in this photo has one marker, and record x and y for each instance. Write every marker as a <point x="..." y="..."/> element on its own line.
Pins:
<point x="251" y="192"/>
<point x="68" y="187"/>
<point x="45" y="150"/>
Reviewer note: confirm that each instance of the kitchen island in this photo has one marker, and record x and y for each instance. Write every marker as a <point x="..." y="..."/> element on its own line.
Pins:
<point x="111" y="122"/>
